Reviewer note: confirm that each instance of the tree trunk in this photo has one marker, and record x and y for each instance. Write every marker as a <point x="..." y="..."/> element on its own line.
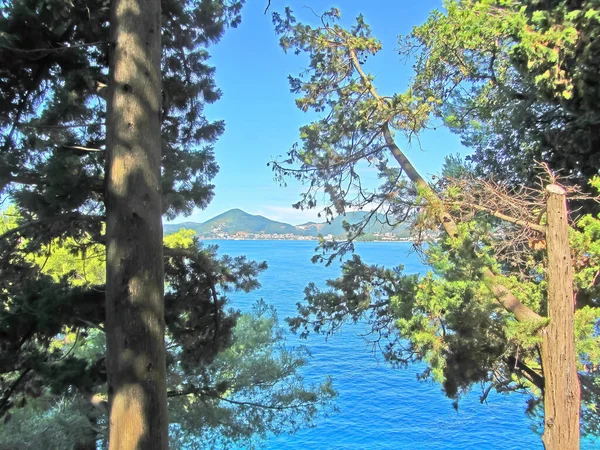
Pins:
<point x="134" y="262"/>
<point x="492" y="281"/>
<point x="559" y="359"/>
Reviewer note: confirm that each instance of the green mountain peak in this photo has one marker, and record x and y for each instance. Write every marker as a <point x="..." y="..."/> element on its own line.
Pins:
<point x="238" y="222"/>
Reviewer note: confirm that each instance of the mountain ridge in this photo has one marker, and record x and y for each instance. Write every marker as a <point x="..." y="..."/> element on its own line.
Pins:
<point x="238" y="222"/>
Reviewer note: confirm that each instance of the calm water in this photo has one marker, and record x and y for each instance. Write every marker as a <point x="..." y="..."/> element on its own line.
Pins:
<point x="379" y="407"/>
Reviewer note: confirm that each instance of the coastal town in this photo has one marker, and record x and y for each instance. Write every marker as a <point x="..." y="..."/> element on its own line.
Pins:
<point x="245" y="236"/>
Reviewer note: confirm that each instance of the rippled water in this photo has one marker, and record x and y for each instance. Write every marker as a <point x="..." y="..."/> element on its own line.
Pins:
<point x="379" y="407"/>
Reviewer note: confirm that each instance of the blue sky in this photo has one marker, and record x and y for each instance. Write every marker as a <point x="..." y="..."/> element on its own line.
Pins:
<point x="261" y="118"/>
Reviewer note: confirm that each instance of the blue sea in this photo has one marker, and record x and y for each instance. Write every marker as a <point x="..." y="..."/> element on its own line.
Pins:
<point x="379" y="407"/>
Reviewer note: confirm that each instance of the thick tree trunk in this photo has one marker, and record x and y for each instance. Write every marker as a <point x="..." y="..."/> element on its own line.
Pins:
<point x="134" y="262"/>
<point x="559" y="359"/>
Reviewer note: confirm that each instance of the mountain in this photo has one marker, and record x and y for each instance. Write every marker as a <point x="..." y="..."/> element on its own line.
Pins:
<point x="235" y="221"/>
<point x="376" y="225"/>
<point x="238" y="221"/>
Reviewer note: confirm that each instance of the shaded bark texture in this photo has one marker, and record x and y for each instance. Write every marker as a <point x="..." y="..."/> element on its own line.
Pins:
<point x="559" y="359"/>
<point x="135" y="324"/>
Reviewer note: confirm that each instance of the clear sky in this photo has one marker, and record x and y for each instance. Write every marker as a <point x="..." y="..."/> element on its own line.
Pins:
<point x="261" y="118"/>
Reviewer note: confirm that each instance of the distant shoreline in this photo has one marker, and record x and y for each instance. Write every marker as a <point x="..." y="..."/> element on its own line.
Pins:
<point x="238" y="225"/>
<point x="412" y="241"/>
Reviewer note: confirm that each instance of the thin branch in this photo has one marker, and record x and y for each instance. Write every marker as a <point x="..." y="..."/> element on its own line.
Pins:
<point x="506" y="218"/>
<point x="72" y="347"/>
<point x="213" y="395"/>
<point x="4" y="405"/>
<point x="50" y="50"/>
<point x="63" y="217"/>
<point x="85" y="149"/>
<point x="485" y="394"/>
<point x="92" y="324"/>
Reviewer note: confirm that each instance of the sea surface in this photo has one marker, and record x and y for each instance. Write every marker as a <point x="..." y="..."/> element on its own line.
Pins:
<point x="379" y="407"/>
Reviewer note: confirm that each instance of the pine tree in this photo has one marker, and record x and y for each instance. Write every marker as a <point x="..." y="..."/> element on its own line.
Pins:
<point x="52" y="163"/>
<point x="52" y="240"/>
<point x="479" y="316"/>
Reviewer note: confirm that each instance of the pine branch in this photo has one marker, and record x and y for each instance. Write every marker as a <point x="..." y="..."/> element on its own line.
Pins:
<point x="53" y="219"/>
<point x="85" y="149"/>
<point x="4" y="401"/>
<point x="538" y="380"/>
<point x="30" y="125"/>
<point x="211" y="394"/>
<point x="21" y="179"/>
<point x="51" y="50"/>
<point x="502" y="294"/>
<point x="95" y="185"/>
<point x="532" y="376"/>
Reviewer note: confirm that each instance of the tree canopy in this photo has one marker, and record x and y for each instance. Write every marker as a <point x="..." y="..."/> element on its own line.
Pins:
<point x="518" y="81"/>
<point x="476" y="317"/>
<point x="52" y="171"/>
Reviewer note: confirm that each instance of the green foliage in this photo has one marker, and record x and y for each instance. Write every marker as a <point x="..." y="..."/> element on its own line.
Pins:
<point x="585" y="246"/>
<point x="587" y="335"/>
<point x="81" y="261"/>
<point x="585" y="242"/>
<point x="259" y="390"/>
<point x="455" y="167"/>
<point x="239" y="379"/>
<point x="183" y="238"/>
<point x="492" y="71"/>
<point x="48" y="423"/>
<point x="517" y="80"/>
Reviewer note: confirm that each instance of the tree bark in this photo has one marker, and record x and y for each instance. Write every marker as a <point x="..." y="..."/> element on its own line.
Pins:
<point x="501" y="293"/>
<point x="559" y="359"/>
<point x="134" y="264"/>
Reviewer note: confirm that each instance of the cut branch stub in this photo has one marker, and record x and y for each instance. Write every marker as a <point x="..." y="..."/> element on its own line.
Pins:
<point x="559" y="357"/>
